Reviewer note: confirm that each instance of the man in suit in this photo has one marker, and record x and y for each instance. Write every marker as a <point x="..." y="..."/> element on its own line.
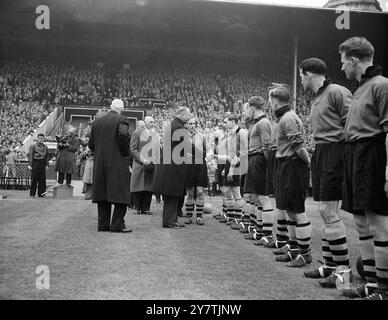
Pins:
<point x="145" y="147"/>
<point x="110" y="142"/>
<point x="38" y="160"/>
<point x="170" y="176"/>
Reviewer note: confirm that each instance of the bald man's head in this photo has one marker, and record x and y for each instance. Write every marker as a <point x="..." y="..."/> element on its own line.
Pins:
<point x="149" y="122"/>
<point x="117" y="105"/>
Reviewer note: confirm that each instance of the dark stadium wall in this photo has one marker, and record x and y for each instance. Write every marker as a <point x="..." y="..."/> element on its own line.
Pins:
<point x="327" y="39"/>
<point x="200" y="28"/>
<point x="206" y="26"/>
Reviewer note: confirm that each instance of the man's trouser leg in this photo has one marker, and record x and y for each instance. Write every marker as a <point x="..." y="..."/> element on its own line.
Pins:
<point x="170" y="210"/>
<point x="41" y="177"/>
<point x="180" y="204"/>
<point x="145" y="201"/>
<point x="68" y="178"/>
<point x="61" y="177"/>
<point x="118" y="217"/>
<point x="104" y="213"/>
<point x="34" y="178"/>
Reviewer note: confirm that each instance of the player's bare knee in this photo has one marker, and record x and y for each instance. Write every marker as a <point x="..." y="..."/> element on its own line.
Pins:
<point x="238" y="203"/>
<point x="236" y="192"/>
<point x="200" y="193"/>
<point x="378" y="224"/>
<point x="362" y="225"/>
<point x="228" y="195"/>
<point x="247" y="197"/>
<point x="255" y="199"/>
<point x="328" y="212"/>
<point x="190" y="192"/>
<point x="301" y="218"/>
<point x="265" y="202"/>
<point x="291" y="215"/>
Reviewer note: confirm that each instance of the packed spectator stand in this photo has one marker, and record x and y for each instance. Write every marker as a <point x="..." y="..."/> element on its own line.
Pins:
<point x="31" y="89"/>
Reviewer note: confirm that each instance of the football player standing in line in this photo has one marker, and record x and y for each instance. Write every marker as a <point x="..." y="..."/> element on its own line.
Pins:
<point x="236" y="145"/>
<point x="281" y="241"/>
<point x="365" y="163"/>
<point x="329" y="109"/>
<point x="196" y="176"/>
<point x="220" y="149"/>
<point x="292" y="177"/>
<point x="259" y="143"/>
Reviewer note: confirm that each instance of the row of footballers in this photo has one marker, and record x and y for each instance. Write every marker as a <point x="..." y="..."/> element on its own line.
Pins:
<point x="349" y="164"/>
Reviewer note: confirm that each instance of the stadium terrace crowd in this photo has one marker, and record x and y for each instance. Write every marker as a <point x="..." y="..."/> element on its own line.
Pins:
<point x="29" y="89"/>
<point x="18" y="121"/>
<point x="176" y="82"/>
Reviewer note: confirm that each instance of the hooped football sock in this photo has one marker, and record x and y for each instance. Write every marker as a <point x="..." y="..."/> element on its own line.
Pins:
<point x="336" y="236"/>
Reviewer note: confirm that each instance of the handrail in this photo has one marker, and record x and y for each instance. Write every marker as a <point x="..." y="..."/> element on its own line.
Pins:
<point x="45" y="127"/>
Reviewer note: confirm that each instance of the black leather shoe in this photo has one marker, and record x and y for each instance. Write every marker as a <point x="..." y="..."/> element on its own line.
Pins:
<point x="122" y="231"/>
<point x="174" y="226"/>
<point x="103" y="230"/>
<point x="171" y="226"/>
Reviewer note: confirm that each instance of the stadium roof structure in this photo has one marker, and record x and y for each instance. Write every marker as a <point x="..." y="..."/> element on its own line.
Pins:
<point x="194" y="24"/>
<point x="191" y="22"/>
<point x="366" y="5"/>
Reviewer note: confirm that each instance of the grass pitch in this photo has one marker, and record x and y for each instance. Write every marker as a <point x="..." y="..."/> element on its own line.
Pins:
<point x="197" y="262"/>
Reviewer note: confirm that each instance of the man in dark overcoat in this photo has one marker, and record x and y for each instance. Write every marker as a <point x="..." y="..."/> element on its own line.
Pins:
<point x="145" y="147"/>
<point x="170" y="176"/>
<point x="68" y="145"/>
<point x="110" y="142"/>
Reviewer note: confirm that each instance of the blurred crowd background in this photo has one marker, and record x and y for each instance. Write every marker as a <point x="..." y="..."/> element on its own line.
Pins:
<point x="31" y="89"/>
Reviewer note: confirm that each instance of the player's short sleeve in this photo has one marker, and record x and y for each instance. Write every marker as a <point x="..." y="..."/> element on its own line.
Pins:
<point x="265" y="134"/>
<point x="381" y="100"/>
<point x="293" y="130"/>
